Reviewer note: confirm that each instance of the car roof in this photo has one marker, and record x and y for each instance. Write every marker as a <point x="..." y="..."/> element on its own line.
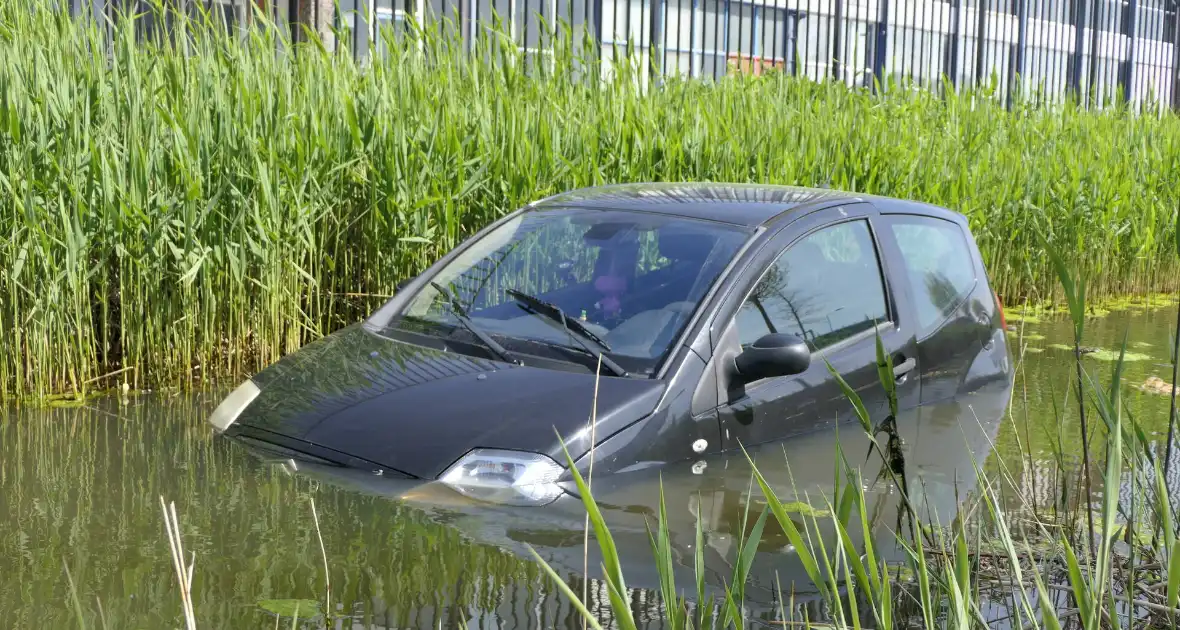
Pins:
<point x="748" y="205"/>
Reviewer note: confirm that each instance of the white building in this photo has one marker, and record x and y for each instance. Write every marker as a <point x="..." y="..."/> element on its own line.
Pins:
<point x="1096" y="46"/>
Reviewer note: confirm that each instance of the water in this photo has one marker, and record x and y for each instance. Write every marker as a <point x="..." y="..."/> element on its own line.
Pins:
<point x="81" y="487"/>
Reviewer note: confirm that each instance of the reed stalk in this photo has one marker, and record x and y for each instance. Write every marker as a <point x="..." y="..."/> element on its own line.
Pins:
<point x="315" y="517"/>
<point x="184" y="573"/>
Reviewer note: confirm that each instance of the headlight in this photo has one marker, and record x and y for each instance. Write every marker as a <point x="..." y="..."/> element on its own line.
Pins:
<point x="510" y="477"/>
<point x="228" y="411"/>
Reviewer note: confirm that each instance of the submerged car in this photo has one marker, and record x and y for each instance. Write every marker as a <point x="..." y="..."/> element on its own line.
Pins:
<point x="944" y="444"/>
<point x="636" y="325"/>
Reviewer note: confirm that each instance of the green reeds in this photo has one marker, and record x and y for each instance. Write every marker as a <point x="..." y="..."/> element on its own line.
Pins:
<point x="184" y="210"/>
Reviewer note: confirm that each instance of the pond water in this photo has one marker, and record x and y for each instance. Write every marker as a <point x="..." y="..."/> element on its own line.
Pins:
<point x="80" y="487"/>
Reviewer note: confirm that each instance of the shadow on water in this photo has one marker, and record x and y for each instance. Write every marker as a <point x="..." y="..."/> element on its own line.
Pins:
<point x="82" y="485"/>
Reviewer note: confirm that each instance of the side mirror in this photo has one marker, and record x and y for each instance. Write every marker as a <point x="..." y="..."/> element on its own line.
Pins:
<point x="776" y="354"/>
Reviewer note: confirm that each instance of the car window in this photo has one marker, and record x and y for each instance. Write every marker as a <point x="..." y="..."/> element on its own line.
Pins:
<point x="824" y="288"/>
<point x="633" y="279"/>
<point x="937" y="262"/>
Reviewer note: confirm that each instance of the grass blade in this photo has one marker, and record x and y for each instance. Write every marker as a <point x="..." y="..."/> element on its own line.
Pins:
<point x="784" y="520"/>
<point x="610" y="555"/>
<point x="1174" y="574"/>
<point x="566" y="590"/>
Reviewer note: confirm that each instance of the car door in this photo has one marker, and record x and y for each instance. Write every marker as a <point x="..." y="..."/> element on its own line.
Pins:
<point x="825" y="283"/>
<point x="941" y="278"/>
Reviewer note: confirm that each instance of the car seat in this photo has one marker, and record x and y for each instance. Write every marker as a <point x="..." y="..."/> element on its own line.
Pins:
<point x="654" y="314"/>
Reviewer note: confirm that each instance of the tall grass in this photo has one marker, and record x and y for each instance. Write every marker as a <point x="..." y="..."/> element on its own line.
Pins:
<point x="178" y="211"/>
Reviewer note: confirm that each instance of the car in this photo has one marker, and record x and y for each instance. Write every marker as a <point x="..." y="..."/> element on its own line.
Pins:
<point x="635" y="326"/>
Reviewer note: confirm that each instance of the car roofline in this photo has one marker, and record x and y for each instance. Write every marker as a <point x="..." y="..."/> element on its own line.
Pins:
<point x="884" y="204"/>
<point x="623" y="208"/>
<point x="786" y="210"/>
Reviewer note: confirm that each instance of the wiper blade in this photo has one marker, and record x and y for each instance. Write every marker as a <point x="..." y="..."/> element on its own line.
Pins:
<point x="588" y="341"/>
<point x="554" y="312"/>
<point x="460" y="313"/>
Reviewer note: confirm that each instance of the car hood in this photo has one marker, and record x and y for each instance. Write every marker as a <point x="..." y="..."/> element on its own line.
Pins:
<point x="417" y="410"/>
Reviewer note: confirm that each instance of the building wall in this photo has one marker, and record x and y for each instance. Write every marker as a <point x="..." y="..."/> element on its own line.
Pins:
<point x="1018" y="44"/>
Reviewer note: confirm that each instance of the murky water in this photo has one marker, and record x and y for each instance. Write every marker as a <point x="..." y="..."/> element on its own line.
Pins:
<point x="81" y="488"/>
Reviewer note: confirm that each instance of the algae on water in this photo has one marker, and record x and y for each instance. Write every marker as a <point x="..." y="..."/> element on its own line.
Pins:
<point x="1102" y="354"/>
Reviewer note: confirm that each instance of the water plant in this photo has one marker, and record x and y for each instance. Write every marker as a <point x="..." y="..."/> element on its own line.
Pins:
<point x="1102" y="354"/>
<point x="291" y="608"/>
<point x="181" y="209"/>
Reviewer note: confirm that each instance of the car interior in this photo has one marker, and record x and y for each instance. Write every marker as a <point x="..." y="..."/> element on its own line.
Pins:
<point x="635" y="305"/>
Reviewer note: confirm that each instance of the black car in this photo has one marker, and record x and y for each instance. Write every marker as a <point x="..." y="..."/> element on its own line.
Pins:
<point x="684" y="319"/>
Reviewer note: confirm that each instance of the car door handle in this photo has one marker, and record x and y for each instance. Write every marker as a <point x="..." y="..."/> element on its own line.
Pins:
<point x="903" y="368"/>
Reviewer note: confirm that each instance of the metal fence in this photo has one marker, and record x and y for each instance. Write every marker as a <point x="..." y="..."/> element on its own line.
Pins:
<point x="1099" y="50"/>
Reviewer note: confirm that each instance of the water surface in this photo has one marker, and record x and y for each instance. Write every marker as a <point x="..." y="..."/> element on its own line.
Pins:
<point x="81" y="487"/>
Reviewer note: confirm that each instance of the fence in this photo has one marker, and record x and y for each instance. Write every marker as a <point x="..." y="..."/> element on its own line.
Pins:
<point x="1097" y="49"/>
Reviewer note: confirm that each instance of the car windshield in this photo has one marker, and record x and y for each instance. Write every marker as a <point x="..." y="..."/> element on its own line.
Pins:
<point x="630" y="279"/>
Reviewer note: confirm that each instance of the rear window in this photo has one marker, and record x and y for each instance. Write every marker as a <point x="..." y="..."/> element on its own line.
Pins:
<point x="938" y="266"/>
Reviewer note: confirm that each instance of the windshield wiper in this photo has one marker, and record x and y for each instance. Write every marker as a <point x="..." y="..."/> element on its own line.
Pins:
<point x="461" y="314"/>
<point x="589" y="342"/>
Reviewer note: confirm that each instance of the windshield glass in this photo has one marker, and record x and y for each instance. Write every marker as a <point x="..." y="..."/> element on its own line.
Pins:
<point x="632" y="279"/>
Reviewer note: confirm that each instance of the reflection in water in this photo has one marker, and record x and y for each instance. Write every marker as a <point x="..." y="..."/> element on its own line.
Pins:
<point x="82" y="485"/>
<point x="1039" y="444"/>
<point x="941" y="442"/>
